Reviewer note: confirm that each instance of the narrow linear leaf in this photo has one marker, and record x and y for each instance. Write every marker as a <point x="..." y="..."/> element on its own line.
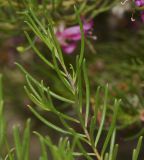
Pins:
<point x="115" y="152"/>
<point x="112" y="126"/>
<point x="137" y="150"/>
<point x="112" y="145"/>
<point x="26" y="141"/>
<point x="48" y="123"/>
<point x="37" y="83"/>
<point x="18" y="146"/>
<point x="87" y="93"/>
<point x="103" y="116"/>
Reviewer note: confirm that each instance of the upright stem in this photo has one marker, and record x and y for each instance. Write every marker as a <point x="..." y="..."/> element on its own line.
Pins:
<point x="98" y="156"/>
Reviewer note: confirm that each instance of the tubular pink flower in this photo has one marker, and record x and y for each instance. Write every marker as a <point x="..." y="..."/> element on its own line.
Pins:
<point x="68" y="37"/>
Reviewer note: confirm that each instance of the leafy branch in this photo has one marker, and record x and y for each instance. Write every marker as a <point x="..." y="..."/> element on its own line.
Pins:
<point x="74" y="142"/>
<point x="41" y="96"/>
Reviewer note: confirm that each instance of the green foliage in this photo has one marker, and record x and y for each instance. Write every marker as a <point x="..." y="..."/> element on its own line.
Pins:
<point x="73" y="142"/>
<point x="58" y="9"/>
<point x="22" y="148"/>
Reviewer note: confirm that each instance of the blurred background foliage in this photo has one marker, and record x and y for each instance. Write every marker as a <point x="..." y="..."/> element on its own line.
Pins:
<point x="116" y="57"/>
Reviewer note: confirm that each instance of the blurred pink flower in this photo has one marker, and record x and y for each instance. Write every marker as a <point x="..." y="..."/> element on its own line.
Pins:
<point x="68" y="37"/>
<point x="139" y="3"/>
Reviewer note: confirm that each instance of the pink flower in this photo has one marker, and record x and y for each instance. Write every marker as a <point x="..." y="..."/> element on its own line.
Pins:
<point x="68" y="37"/>
<point x="139" y="3"/>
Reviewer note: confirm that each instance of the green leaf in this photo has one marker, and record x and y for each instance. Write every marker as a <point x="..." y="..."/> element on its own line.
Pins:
<point x="115" y="151"/>
<point x="106" y="156"/>
<point x="26" y="141"/>
<point x="112" y="126"/>
<point x="112" y="144"/>
<point x="103" y="117"/>
<point x="137" y="150"/>
<point x="58" y="129"/>
<point x="37" y="83"/>
<point x="18" y="146"/>
<point x="82" y="37"/>
<point x="43" y="147"/>
<point x="38" y="52"/>
<point x="87" y="93"/>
